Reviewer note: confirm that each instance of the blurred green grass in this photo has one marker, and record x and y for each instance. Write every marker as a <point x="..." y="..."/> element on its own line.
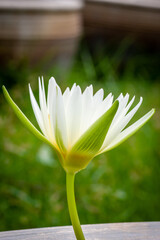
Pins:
<point x="120" y="185"/>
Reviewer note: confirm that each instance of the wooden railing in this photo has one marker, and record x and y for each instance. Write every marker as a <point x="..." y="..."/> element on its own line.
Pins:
<point x="143" y="16"/>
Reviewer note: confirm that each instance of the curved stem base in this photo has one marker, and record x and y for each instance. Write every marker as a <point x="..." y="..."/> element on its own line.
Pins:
<point x="72" y="206"/>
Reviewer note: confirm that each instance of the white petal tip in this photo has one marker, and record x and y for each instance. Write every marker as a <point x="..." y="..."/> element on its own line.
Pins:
<point x="52" y="79"/>
<point x="153" y="111"/>
<point x="141" y="99"/>
<point x="30" y="89"/>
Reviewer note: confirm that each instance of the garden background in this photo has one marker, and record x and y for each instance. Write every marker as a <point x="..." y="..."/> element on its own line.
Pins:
<point x="122" y="185"/>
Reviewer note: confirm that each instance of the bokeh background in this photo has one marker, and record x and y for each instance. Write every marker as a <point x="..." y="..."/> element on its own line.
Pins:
<point x="111" y="44"/>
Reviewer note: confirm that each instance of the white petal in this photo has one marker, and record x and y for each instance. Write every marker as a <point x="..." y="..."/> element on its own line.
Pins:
<point x="120" y="97"/>
<point x="36" y="111"/>
<point x="42" y="96"/>
<point x="87" y="108"/>
<point x="124" y="111"/>
<point x="124" y="120"/>
<point x="73" y="88"/>
<point x="120" y="123"/>
<point x="51" y="98"/>
<point x="43" y="105"/>
<point x="129" y="116"/>
<point x="59" y="120"/>
<point x="98" y="96"/>
<point x="113" y="131"/>
<point x="108" y="100"/>
<point x="101" y="107"/>
<point x="73" y="114"/>
<point x="51" y="85"/>
<point x="89" y="90"/>
<point x="44" y="110"/>
<point x="128" y="106"/>
<point x="66" y="95"/>
<point x="130" y="130"/>
<point x="122" y="104"/>
<point x="97" y="103"/>
<point x="107" y="103"/>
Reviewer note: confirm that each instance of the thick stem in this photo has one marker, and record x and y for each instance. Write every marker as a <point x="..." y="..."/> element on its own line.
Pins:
<point x="72" y="206"/>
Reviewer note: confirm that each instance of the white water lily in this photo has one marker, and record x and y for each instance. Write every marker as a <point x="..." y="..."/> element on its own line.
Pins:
<point x="79" y="125"/>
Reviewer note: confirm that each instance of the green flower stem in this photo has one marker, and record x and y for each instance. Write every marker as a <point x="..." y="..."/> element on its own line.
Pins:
<point x="72" y="206"/>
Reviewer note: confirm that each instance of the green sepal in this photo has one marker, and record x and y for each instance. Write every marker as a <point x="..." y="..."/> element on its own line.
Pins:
<point x="91" y="141"/>
<point x="23" y="118"/>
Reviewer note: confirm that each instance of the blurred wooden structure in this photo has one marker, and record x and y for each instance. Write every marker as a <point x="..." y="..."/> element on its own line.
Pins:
<point x="49" y="31"/>
<point x="123" y="16"/>
<point x="114" y="231"/>
<point x="40" y="29"/>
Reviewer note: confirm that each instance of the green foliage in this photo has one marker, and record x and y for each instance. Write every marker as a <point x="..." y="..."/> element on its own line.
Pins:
<point x="120" y="185"/>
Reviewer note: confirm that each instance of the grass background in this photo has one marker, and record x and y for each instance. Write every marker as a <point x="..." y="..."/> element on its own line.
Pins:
<point x="119" y="186"/>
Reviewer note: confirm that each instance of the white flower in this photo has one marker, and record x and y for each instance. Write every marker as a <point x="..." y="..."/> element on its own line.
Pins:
<point x="80" y="125"/>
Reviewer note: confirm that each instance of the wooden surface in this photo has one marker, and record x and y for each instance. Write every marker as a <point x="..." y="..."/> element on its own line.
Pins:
<point x="115" y="231"/>
<point x="40" y="31"/>
<point x="37" y="5"/>
<point x="41" y="26"/>
<point x="133" y="3"/>
<point x="143" y="16"/>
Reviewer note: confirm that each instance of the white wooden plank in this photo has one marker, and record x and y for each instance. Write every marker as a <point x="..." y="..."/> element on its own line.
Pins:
<point x="114" y="231"/>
